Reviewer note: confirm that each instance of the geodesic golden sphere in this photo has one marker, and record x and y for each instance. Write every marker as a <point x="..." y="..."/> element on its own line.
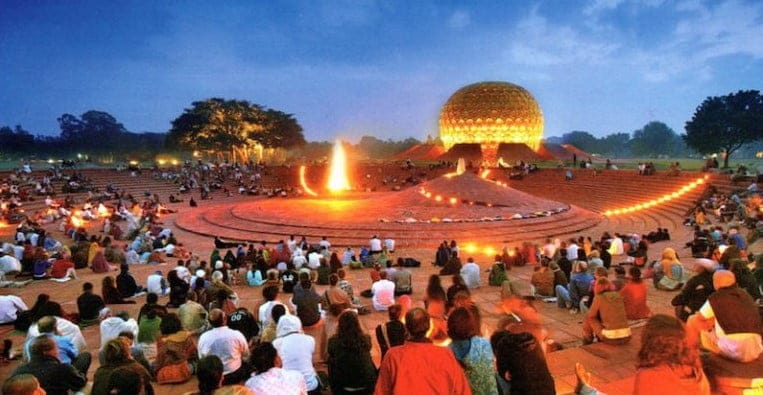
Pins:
<point x="490" y="113"/>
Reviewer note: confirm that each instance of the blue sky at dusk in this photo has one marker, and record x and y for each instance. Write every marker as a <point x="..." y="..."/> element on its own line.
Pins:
<point x="348" y="68"/>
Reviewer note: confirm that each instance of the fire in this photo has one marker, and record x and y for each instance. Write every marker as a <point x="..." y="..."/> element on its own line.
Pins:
<point x="76" y="221"/>
<point x="304" y="183"/>
<point x="338" y="170"/>
<point x="103" y="211"/>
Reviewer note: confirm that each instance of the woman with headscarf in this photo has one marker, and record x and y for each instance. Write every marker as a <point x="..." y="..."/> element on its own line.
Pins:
<point x="296" y="350"/>
<point x="669" y="272"/>
<point x="99" y="264"/>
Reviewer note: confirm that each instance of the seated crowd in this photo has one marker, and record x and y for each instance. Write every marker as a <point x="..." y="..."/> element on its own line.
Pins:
<point x="192" y="322"/>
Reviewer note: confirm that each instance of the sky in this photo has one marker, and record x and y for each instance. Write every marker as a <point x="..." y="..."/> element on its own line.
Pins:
<point x="348" y="68"/>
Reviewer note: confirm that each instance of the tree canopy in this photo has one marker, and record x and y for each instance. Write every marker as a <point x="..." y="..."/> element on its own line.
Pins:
<point x="655" y="138"/>
<point x="223" y="125"/>
<point x="726" y="122"/>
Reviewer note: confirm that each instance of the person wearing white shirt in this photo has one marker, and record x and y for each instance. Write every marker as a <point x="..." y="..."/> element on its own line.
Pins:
<point x="296" y="349"/>
<point x="10" y="306"/>
<point x="298" y="259"/>
<point x="157" y="284"/>
<point x="375" y="245"/>
<point x="572" y="250"/>
<point x="615" y="247"/>
<point x="324" y="243"/>
<point x="112" y="326"/>
<point x="383" y="292"/>
<point x="314" y="260"/>
<point x="183" y="271"/>
<point x="470" y="272"/>
<point x="64" y="328"/>
<point x="389" y="243"/>
<point x="227" y="344"/>
<point x="9" y="263"/>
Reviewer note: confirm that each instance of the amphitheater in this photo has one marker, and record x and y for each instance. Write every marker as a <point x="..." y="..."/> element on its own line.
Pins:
<point x="490" y="212"/>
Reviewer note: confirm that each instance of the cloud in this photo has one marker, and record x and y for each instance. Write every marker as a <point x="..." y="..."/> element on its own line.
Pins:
<point x="540" y="43"/>
<point x="459" y="19"/>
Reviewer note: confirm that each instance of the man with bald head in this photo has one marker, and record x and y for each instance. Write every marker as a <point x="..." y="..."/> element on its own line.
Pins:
<point x="729" y="322"/>
<point x="418" y="366"/>
<point x="67" y="351"/>
<point x="227" y="344"/>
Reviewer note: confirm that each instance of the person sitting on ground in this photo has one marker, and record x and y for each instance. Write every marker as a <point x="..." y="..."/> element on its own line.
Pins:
<point x="179" y="289"/>
<point x="111" y="294"/>
<point x="269" y="330"/>
<point x="54" y="376"/>
<point x="520" y="361"/>
<point x="696" y="291"/>
<point x="112" y="327"/>
<point x="11" y="306"/>
<point x="270" y="293"/>
<point x="391" y="333"/>
<point x="472" y="351"/>
<point x="667" y="360"/>
<point x="453" y="265"/>
<point x="350" y="367"/>
<point x="155" y="283"/>
<point x="634" y="296"/>
<point x="470" y="272"/>
<point x="458" y="286"/>
<point x="193" y="317"/>
<point x="543" y="279"/>
<point x="269" y="377"/>
<point x="227" y="344"/>
<point x="443" y="374"/>
<point x="22" y="384"/>
<point x="383" y="292"/>
<point x="176" y="352"/>
<point x="335" y="296"/>
<point x="126" y="283"/>
<point x="63" y="269"/>
<point x="245" y="322"/>
<point x="211" y="378"/>
<point x="606" y="320"/>
<point x="402" y="279"/>
<point x="67" y="351"/>
<point x="571" y="296"/>
<point x="729" y="323"/>
<point x="296" y="350"/>
<point x="668" y="275"/>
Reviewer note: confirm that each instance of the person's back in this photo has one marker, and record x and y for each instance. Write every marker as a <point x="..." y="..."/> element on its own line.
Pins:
<point x="471" y="274"/>
<point x="383" y="293"/>
<point x="418" y="366"/>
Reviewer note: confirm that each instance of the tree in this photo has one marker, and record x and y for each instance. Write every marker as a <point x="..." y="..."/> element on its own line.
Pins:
<point x="582" y="140"/>
<point x="726" y="122"/>
<point x="221" y="126"/>
<point x="94" y="131"/>
<point x="655" y="138"/>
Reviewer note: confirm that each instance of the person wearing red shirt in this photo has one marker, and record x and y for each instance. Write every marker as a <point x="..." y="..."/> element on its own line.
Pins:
<point x="418" y="366"/>
<point x="634" y="296"/>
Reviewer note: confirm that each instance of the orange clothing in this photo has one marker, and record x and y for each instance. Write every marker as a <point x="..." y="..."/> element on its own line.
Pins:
<point x="421" y="368"/>
<point x="671" y="380"/>
<point x="634" y="297"/>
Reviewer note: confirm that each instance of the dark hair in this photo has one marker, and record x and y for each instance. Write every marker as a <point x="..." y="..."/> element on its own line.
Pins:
<point x="333" y="279"/>
<point x="434" y="288"/>
<point x="152" y="297"/>
<point x="42" y="345"/>
<point x="518" y="352"/>
<point x="209" y="371"/>
<point x="350" y="333"/>
<point x="277" y="312"/>
<point x="270" y="292"/>
<point x="635" y="273"/>
<point x="461" y="324"/>
<point x="263" y="357"/>
<point x="88" y="286"/>
<point x="394" y="312"/>
<point x="170" y="324"/>
<point x="125" y="381"/>
<point x="116" y="350"/>
<point x="458" y="280"/>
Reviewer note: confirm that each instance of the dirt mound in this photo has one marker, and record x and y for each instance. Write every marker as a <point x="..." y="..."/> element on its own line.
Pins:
<point x="554" y="152"/>
<point x="420" y="152"/>
<point x="513" y="152"/>
<point x="470" y="152"/>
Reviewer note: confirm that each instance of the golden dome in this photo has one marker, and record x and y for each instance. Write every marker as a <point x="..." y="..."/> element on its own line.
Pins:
<point x="490" y="113"/>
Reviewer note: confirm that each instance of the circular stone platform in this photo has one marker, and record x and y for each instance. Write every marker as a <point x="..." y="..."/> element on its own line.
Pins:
<point x="468" y="208"/>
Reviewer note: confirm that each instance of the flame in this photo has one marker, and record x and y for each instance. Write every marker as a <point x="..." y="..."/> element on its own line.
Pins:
<point x="338" y="170"/>
<point x="304" y="184"/>
<point x="76" y="221"/>
<point x="102" y="210"/>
